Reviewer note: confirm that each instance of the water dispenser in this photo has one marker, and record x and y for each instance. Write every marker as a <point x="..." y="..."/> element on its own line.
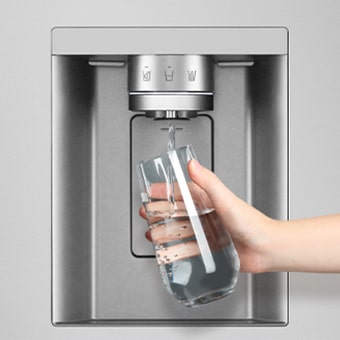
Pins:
<point x="115" y="91"/>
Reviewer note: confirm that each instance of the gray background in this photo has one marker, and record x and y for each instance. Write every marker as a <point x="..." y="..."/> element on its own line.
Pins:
<point x="25" y="101"/>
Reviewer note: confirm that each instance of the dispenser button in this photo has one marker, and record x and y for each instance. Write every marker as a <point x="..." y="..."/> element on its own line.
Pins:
<point x="146" y="74"/>
<point x="169" y="74"/>
<point x="192" y="75"/>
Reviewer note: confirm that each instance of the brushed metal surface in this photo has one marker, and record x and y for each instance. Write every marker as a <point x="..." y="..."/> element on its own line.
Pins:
<point x="171" y="101"/>
<point x="170" y="82"/>
<point x="169" y="40"/>
<point x="164" y="73"/>
<point x="96" y="279"/>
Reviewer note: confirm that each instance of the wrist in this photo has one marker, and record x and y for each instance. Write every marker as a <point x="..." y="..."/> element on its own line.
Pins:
<point x="273" y="249"/>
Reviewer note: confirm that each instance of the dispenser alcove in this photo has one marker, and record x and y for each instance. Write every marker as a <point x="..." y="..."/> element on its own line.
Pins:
<point x="96" y="276"/>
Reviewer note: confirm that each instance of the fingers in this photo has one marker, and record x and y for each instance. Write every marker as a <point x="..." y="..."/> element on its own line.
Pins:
<point x="142" y="212"/>
<point x="177" y="252"/>
<point x="148" y="235"/>
<point x="164" y="190"/>
<point x="185" y="249"/>
<point x="174" y="239"/>
<point x="174" y="230"/>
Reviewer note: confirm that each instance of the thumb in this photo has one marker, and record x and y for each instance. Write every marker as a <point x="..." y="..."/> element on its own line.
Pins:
<point x="220" y="196"/>
<point x="236" y="214"/>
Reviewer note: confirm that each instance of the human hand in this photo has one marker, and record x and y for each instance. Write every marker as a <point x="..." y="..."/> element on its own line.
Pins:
<point x="249" y="228"/>
<point x="169" y="222"/>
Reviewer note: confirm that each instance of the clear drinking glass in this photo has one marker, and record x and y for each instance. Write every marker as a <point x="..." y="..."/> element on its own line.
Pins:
<point x="195" y="254"/>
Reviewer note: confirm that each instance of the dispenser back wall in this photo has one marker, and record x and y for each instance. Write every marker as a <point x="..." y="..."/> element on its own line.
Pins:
<point x="149" y="137"/>
<point x="97" y="277"/>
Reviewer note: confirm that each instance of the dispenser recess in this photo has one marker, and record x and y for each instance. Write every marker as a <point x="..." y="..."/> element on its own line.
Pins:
<point x="102" y="269"/>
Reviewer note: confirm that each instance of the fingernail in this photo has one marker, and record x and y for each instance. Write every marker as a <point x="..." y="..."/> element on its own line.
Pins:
<point x="196" y="164"/>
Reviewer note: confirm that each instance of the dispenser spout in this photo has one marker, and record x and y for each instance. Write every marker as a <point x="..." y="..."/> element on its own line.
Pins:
<point x="171" y="114"/>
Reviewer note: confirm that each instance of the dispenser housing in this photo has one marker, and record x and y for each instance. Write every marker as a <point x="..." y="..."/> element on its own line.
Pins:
<point x="104" y="122"/>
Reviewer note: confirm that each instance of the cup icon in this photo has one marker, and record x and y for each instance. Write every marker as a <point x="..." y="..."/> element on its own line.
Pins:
<point x="197" y="259"/>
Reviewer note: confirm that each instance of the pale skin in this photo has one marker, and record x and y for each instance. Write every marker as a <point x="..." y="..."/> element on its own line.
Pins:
<point x="265" y="244"/>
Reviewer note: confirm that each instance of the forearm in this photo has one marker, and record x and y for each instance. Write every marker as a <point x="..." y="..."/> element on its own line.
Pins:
<point x="308" y="245"/>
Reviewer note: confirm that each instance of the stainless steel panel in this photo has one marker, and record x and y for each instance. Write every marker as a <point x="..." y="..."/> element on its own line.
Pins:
<point x="169" y="40"/>
<point x="96" y="279"/>
<point x="72" y="189"/>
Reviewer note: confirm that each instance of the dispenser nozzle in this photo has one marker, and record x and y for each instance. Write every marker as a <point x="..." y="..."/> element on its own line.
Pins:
<point x="171" y="114"/>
